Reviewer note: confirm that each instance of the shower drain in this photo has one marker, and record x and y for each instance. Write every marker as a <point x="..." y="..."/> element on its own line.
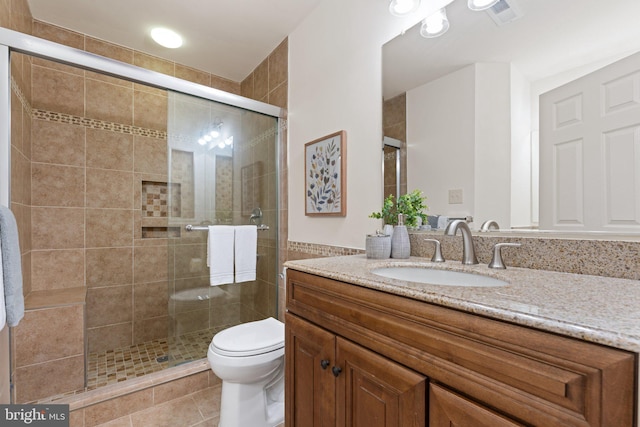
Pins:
<point x="162" y="359"/>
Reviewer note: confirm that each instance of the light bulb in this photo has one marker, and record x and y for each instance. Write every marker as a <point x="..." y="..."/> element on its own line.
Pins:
<point x="214" y="133"/>
<point x="221" y="145"/>
<point x="435" y="24"/>
<point x="207" y="138"/>
<point x="229" y="140"/>
<point x="479" y="5"/>
<point x="403" y="7"/>
<point x="201" y="141"/>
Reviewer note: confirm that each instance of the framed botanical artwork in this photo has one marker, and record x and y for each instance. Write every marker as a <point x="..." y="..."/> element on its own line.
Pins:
<point x="325" y="175"/>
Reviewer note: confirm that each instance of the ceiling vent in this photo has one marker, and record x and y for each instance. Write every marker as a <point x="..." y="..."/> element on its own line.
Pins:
<point x="504" y="11"/>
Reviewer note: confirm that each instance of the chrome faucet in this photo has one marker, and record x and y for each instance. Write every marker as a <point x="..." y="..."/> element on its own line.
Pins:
<point x="468" y="250"/>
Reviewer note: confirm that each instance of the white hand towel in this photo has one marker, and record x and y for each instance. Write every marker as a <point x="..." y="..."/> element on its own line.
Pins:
<point x="220" y="243"/>
<point x="246" y="252"/>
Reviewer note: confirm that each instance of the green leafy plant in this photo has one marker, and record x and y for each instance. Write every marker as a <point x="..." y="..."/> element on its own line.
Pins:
<point x="411" y="205"/>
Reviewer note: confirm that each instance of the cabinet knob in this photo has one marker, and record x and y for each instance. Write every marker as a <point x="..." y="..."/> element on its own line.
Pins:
<point x="324" y="363"/>
<point x="336" y="371"/>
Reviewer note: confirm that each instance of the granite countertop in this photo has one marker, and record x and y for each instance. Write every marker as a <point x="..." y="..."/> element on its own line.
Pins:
<point x="597" y="309"/>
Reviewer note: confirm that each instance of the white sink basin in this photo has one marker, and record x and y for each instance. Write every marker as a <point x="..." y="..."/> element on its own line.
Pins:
<point x="438" y="277"/>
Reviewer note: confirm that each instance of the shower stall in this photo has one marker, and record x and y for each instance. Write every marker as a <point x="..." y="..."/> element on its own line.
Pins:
<point x="115" y="174"/>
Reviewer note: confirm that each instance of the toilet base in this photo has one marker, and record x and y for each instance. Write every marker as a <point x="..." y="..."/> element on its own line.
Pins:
<point x="250" y="405"/>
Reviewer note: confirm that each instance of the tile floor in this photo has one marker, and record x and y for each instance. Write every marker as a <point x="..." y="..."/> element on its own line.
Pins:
<point x="200" y="409"/>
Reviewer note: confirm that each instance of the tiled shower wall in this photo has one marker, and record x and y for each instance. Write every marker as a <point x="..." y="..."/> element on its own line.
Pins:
<point x="394" y="114"/>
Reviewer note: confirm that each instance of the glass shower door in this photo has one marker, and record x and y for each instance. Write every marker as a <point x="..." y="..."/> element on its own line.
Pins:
<point x="222" y="171"/>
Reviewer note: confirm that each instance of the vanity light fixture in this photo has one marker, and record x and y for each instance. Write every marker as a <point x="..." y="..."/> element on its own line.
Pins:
<point x="166" y="37"/>
<point x="403" y="7"/>
<point x="435" y="24"/>
<point x="479" y="5"/>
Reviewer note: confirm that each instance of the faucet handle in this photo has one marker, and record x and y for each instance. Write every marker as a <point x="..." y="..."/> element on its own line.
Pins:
<point x="496" y="260"/>
<point x="437" y="254"/>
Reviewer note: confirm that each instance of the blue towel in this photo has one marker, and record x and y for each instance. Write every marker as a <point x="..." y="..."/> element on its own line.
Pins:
<point x="11" y="266"/>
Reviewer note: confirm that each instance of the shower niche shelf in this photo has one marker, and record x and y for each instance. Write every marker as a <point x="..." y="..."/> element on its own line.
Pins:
<point x="159" y="201"/>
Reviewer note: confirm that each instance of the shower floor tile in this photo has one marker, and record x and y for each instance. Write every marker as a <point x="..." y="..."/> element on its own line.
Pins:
<point x="114" y="366"/>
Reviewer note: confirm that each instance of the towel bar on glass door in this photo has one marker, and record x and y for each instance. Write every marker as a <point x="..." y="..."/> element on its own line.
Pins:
<point x="189" y="227"/>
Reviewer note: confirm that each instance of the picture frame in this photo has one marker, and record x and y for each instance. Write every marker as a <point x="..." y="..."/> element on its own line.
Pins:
<point x="326" y="175"/>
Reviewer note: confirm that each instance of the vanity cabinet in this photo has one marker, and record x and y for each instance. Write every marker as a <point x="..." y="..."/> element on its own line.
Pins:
<point x="334" y="382"/>
<point x="438" y="366"/>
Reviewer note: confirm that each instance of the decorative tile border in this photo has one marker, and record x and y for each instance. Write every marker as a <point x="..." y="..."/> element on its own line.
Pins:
<point x="321" y="250"/>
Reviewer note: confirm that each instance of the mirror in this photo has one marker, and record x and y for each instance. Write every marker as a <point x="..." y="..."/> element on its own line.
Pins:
<point x="548" y="44"/>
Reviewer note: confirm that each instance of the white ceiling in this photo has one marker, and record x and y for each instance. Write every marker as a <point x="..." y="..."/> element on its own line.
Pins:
<point x="552" y="36"/>
<point x="228" y="38"/>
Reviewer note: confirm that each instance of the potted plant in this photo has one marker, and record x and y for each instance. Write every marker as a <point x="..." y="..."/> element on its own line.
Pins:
<point x="411" y="205"/>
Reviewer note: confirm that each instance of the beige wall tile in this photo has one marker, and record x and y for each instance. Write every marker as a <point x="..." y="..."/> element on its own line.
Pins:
<point x="49" y="334"/>
<point x="278" y="96"/>
<point x="57" y="269"/>
<point x="109" y="150"/>
<point x="150" y="155"/>
<point x="151" y="300"/>
<point x="58" y="34"/>
<point x="16" y="121"/>
<point x="153" y="63"/>
<point x="59" y="376"/>
<point x="109" y="189"/>
<point x="109" y="337"/>
<point x="109" y="266"/>
<point x="57" y="228"/>
<point x="54" y="185"/>
<point x="5" y="13"/>
<point x="58" y="91"/>
<point x="278" y="65"/>
<point x="61" y="143"/>
<point x="150" y="329"/>
<point x="150" y="110"/>
<point x="190" y="260"/>
<point x="193" y="75"/>
<point x="117" y="408"/>
<point x="109" y="227"/>
<point x="109" y="306"/>
<point x="261" y="81"/>
<point x="150" y="264"/>
<point x="21" y="18"/>
<point x="109" y="102"/>
<point x="109" y="50"/>
<point x="246" y="87"/>
<point x="181" y="387"/>
<point x="225" y="85"/>
<point x="5" y="374"/>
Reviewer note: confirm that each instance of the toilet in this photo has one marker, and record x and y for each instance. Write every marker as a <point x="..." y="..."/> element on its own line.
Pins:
<point x="249" y="359"/>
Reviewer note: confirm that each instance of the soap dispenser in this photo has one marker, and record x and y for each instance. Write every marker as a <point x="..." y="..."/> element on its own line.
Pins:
<point x="400" y="246"/>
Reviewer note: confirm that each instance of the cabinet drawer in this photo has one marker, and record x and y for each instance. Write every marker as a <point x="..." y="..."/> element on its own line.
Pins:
<point x="537" y="377"/>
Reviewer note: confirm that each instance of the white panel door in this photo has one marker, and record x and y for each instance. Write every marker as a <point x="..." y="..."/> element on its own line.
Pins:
<point x="590" y="151"/>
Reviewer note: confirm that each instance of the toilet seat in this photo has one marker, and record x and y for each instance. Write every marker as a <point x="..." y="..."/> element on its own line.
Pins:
<point x="249" y="339"/>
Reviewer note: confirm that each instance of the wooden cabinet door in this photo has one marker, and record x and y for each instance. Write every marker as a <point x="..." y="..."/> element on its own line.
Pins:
<point x="447" y="409"/>
<point x="373" y="391"/>
<point x="310" y="384"/>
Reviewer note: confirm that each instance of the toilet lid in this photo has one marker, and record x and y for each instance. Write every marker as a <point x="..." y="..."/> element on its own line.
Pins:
<point x="249" y="339"/>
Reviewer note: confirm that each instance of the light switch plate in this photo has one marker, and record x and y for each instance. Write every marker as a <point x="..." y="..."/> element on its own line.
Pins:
<point x="455" y="196"/>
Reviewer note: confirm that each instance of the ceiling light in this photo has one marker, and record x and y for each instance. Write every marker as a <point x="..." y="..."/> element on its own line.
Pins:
<point x="478" y="5"/>
<point x="221" y="144"/>
<point x="166" y="37"/>
<point x="202" y="141"/>
<point x="403" y="7"/>
<point x="214" y="133"/>
<point x="435" y="24"/>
